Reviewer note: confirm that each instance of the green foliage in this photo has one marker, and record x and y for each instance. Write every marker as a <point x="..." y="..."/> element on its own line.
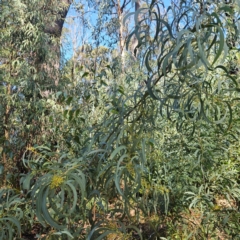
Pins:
<point x="145" y="148"/>
<point x="10" y="214"/>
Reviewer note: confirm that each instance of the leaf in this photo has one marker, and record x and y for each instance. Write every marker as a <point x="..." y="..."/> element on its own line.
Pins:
<point x="150" y="89"/>
<point x="202" y="54"/>
<point x="136" y="229"/>
<point x="69" y="100"/>
<point x="168" y="27"/>
<point x="74" y="203"/>
<point x="81" y="182"/>
<point x="26" y="181"/>
<point x="1" y="169"/>
<point x="85" y="74"/>
<point x="126" y="17"/>
<point x="147" y="54"/>
<point x="143" y="154"/>
<point x="39" y="206"/>
<point x="64" y="232"/>
<point x="227" y="8"/>
<point x="14" y="221"/>
<point x="104" y="234"/>
<point x="221" y="45"/>
<point x="47" y="216"/>
<point x="118" y="173"/>
<point x="97" y="151"/>
<point x="116" y="151"/>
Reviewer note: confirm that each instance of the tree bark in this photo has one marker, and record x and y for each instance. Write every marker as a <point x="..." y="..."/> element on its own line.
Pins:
<point x="55" y="30"/>
<point x="135" y="43"/>
<point x="121" y="31"/>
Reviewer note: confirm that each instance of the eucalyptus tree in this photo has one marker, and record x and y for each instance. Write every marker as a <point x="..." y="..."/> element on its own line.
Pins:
<point x="109" y="28"/>
<point x="30" y="55"/>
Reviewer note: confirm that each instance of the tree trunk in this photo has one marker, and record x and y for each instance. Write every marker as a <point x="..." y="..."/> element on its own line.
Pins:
<point x="56" y="31"/>
<point x="56" y="28"/>
<point x="121" y="31"/>
<point x="135" y="40"/>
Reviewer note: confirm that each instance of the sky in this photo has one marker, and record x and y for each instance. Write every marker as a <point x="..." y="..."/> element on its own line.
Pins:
<point x="76" y="34"/>
<point x="72" y="12"/>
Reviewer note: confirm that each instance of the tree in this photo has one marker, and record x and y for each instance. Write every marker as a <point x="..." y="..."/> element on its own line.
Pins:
<point x="109" y="28"/>
<point x="154" y="147"/>
<point x="25" y="64"/>
<point x="56" y="27"/>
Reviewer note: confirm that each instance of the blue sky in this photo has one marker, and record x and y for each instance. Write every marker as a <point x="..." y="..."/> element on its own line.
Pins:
<point x="72" y="12"/>
<point x="76" y="35"/>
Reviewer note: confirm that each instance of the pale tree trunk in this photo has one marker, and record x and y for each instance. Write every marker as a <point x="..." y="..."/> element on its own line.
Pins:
<point x="121" y="32"/>
<point x="135" y="40"/>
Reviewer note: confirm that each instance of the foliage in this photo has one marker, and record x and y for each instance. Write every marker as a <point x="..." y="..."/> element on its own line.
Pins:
<point x="145" y="148"/>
